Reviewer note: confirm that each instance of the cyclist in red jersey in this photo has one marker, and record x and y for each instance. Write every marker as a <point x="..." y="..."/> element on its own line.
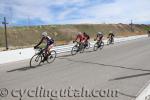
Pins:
<point x="86" y="38"/>
<point x="79" y="38"/>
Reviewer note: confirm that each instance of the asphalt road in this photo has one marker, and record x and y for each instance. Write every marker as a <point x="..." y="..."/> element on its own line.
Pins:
<point x="124" y="67"/>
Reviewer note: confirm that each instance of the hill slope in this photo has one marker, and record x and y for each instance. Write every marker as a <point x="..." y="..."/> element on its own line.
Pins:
<point x="27" y="36"/>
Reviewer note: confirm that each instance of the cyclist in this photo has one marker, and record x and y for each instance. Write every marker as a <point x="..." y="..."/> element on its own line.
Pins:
<point x="49" y="44"/>
<point x="111" y="36"/>
<point x="148" y="32"/>
<point x="80" y="39"/>
<point x="99" y="37"/>
<point x="86" y="38"/>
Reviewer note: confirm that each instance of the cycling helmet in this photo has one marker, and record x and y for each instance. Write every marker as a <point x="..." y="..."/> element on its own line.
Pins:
<point x="99" y="33"/>
<point x="44" y="34"/>
<point x="84" y="33"/>
<point x="79" y="33"/>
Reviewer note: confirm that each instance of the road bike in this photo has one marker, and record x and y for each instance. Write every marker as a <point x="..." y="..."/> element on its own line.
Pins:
<point x="39" y="56"/>
<point x="110" y="41"/>
<point x="79" y="47"/>
<point x="98" y="45"/>
<point x="87" y="45"/>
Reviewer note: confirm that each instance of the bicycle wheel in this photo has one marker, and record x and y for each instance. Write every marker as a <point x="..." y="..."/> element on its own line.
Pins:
<point x="95" y="46"/>
<point x="51" y="56"/>
<point x="101" y="45"/>
<point x="35" y="60"/>
<point x="74" y="50"/>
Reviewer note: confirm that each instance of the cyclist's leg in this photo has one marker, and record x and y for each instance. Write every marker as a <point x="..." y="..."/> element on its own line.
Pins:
<point x="86" y="42"/>
<point x="49" y="48"/>
<point x="99" y="42"/>
<point x="81" y="45"/>
<point x="112" y="40"/>
<point x="45" y="50"/>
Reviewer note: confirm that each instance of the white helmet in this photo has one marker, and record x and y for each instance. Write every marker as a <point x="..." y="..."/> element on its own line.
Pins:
<point x="80" y="33"/>
<point x="100" y="33"/>
<point x="44" y="34"/>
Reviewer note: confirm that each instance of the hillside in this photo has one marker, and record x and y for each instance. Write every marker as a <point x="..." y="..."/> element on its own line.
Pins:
<point x="27" y="36"/>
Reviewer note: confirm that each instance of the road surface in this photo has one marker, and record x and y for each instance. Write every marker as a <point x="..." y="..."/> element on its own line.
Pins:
<point x="122" y="67"/>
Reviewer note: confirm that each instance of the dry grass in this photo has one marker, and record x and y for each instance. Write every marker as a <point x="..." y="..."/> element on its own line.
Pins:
<point x="29" y="36"/>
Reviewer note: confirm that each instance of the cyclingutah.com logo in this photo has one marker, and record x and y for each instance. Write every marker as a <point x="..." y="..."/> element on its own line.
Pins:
<point x="52" y="94"/>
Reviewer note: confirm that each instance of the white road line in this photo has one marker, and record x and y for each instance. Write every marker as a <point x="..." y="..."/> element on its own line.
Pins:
<point x="144" y="93"/>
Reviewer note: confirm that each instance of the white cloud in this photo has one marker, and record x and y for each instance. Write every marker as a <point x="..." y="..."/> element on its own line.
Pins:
<point x="118" y="11"/>
<point x="22" y="9"/>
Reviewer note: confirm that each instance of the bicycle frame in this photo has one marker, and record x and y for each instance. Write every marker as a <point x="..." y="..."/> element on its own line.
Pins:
<point x="80" y="46"/>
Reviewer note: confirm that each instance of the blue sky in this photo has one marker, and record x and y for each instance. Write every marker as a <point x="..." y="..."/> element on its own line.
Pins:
<point x="37" y="12"/>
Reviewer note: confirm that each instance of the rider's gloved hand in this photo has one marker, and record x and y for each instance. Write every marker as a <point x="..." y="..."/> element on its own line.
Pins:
<point x="35" y="47"/>
<point x="73" y="41"/>
<point x="94" y="39"/>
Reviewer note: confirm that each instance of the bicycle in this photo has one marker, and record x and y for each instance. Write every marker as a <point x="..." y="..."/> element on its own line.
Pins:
<point x="37" y="59"/>
<point x="98" y="45"/>
<point x="79" y="47"/>
<point x="110" y="41"/>
<point x="87" y="45"/>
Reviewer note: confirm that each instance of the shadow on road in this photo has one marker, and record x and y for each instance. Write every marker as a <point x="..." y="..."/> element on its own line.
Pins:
<point x="123" y="67"/>
<point x="130" y="76"/>
<point x="127" y="95"/>
<point x="68" y="55"/>
<point x="96" y="63"/>
<point x="28" y="67"/>
<point x="23" y="68"/>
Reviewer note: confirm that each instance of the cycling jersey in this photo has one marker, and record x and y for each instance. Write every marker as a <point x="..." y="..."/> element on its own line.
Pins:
<point x="99" y="37"/>
<point x="48" y="40"/>
<point x="80" y="38"/>
<point x="111" y="35"/>
<point x="86" y="37"/>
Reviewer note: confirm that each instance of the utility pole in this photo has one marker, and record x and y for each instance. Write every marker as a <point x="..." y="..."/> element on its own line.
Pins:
<point x="132" y="26"/>
<point x="5" y="25"/>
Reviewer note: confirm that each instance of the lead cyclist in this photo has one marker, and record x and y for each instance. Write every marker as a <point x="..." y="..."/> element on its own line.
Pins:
<point x="49" y="44"/>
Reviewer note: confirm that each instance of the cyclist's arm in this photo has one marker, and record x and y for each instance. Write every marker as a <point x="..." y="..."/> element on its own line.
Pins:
<point x="76" y="38"/>
<point x="88" y="37"/>
<point x="113" y="35"/>
<point x="96" y="37"/>
<point x="39" y="42"/>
